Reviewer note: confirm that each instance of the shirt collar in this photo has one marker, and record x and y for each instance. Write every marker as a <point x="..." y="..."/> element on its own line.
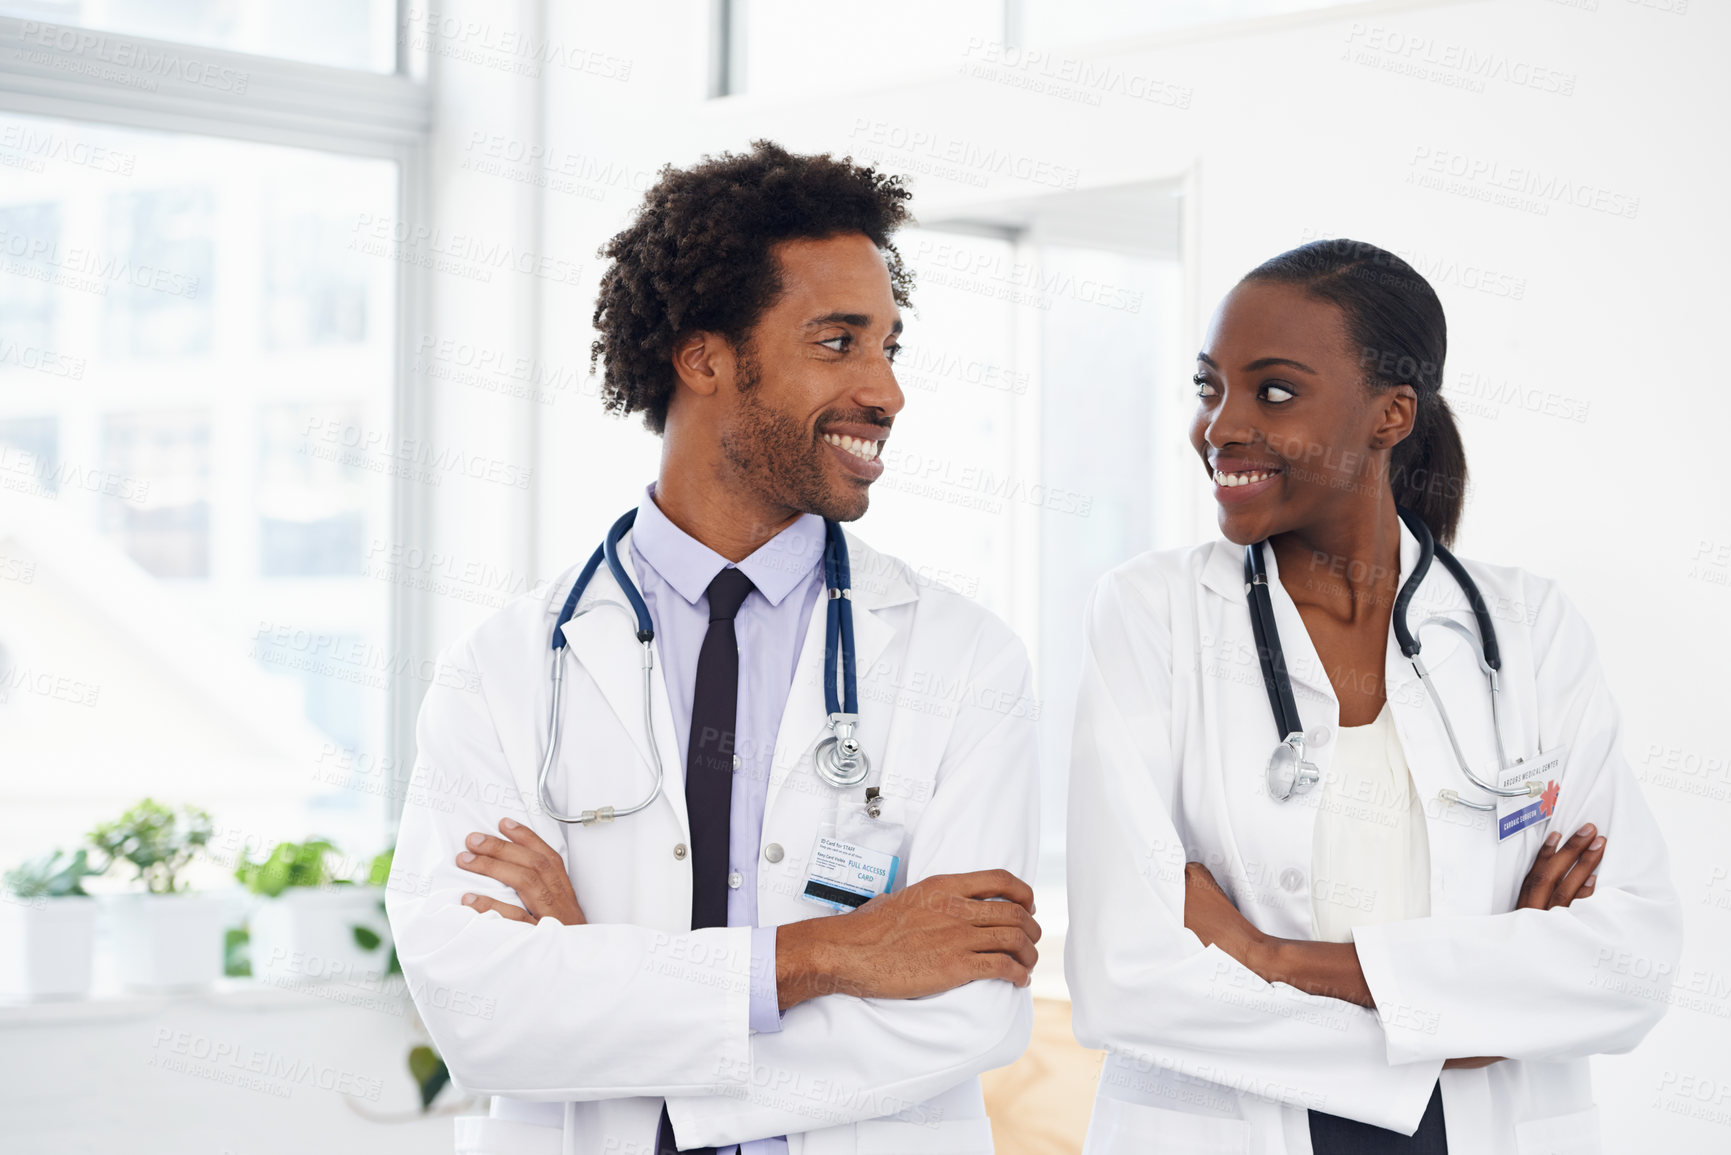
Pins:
<point x="777" y="568"/>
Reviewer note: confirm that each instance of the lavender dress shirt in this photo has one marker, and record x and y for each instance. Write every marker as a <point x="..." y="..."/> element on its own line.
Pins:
<point x="675" y="570"/>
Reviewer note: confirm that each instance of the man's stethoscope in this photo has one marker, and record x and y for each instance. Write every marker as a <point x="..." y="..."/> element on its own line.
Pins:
<point x="1289" y="772"/>
<point x="839" y="760"/>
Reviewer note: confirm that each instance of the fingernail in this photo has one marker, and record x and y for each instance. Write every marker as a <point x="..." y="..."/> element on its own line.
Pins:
<point x="1596" y="843"/>
<point x="1587" y="829"/>
<point x="469" y="899"/>
<point x="465" y="858"/>
<point x="1551" y="839"/>
<point x="476" y="840"/>
<point x="1591" y="879"/>
<point x="507" y="824"/>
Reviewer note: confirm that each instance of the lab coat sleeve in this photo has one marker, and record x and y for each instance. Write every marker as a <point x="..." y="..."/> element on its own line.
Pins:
<point x="841" y="1059"/>
<point x="1590" y="978"/>
<point x="543" y="1011"/>
<point x="1144" y="986"/>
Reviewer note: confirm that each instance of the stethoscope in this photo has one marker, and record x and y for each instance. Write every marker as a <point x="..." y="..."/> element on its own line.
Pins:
<point x="1289" y="771"/>
<point x="838" y="760"/>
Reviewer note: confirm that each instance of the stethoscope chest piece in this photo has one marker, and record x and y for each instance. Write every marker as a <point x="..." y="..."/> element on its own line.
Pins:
<point x="1289" y="771"/>
<point x="840" y="760"/>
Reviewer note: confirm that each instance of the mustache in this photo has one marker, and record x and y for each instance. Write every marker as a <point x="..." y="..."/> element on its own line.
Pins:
<point x="833" y="417"/>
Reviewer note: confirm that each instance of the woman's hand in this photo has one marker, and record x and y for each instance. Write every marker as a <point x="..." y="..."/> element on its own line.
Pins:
<point x="1210" y="915"/>
<point x="1563" y="873"/>
<point x="528" y="866"/>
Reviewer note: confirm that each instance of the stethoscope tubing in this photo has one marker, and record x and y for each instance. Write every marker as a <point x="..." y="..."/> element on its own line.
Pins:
<point x="1276" y="681"/>
<point x="843" y="707"/>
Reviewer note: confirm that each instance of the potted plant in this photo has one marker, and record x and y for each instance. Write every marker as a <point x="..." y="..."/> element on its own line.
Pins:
<point x="167" y="936"/>
<point x="312" y="923"/>
<point x="47" y="928"/>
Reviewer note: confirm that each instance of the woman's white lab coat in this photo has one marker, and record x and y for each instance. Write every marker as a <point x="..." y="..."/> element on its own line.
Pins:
<point x="581" y="1032"/>
<point x="1173" y="732"/>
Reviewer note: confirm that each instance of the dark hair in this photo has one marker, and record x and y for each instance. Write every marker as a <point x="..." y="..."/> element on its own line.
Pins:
<point x="697" y="257"/>
<point x="1396" y="322"/>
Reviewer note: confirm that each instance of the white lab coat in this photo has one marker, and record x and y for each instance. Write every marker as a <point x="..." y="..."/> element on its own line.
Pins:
<point x="1173" y="732"/>
<point x="581" y="1032"/>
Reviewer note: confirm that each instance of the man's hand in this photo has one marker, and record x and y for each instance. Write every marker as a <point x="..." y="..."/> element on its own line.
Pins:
<point x="938" y="934"/>
<point x="1561" y="874"/>
<point x="528" y="866"/>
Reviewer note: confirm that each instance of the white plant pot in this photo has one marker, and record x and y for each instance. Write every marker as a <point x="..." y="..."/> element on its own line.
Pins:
<point x="166" y="942"/>
<point x="305" y="936"/>
<point x="46" y="946"/>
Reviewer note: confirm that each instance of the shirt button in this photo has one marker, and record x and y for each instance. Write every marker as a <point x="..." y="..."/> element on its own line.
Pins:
<point x="1320" y="736"/>
<point x="1291" y="878"/>
<point x="679" y="851"/>
<point x="735" y="880"/>
<point x="736" y="761"/>
<point x="772" y="852"/>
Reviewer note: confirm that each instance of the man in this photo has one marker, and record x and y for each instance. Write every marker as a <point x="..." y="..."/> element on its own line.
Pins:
<point x="694" y="975"/>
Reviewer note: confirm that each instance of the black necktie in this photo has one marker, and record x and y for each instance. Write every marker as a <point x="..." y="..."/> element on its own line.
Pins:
<point x="709" y="771"/>
<point x="709" y="757"/>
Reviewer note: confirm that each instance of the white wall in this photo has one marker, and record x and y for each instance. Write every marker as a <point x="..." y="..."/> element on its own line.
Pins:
<point x="1285" y="130"/>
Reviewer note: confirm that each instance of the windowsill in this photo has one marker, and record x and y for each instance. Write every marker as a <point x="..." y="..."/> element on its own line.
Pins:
<point x="237" y="994"/>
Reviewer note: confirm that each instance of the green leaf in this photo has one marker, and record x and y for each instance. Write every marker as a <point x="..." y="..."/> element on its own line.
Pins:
<point x="366" y="938"/>
<point x="430" y="1073"/>
<point x="49" y="877"/>
<point x="237" y="952"/>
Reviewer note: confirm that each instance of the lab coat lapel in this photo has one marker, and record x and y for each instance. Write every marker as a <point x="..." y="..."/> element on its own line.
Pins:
<point x="805" y="719"/>
<point x="602" y="640"/>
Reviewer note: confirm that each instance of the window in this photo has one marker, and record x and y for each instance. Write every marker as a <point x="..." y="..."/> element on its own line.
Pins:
<point x="195" y="558"/>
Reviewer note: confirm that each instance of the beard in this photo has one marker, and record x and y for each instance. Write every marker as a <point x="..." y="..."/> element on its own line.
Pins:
<point x="777" y="457"/>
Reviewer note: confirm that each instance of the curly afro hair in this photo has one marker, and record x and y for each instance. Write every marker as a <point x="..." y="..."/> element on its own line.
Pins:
<point x="698" y="257"/>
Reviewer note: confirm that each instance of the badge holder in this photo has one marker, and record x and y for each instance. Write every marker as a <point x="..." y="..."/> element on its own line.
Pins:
<point x="856" y="855"/>
<point x="1521" y="811"/>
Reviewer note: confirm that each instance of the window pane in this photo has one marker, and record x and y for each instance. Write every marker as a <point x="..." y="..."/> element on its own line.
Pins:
<point x="193" y="559"/>
<point x="357" y="34"/>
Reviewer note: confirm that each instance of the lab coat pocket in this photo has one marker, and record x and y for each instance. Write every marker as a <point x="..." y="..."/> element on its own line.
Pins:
<point x="481" y="1135"/>
<point x="951" y="1137"/>
<point x="1121" y="1126"/>
<point x="1576" y="1133"/>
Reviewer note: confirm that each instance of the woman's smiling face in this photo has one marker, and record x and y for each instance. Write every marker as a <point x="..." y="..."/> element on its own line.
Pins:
<point x="1285" y="424"/>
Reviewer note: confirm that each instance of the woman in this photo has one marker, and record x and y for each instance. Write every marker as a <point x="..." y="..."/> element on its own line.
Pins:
<point x="1365" y="963"/>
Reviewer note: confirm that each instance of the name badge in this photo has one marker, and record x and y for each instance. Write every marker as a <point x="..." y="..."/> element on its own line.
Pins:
<point x="855" y="857"/>
<point x="1516" y="814"/>
<point x="845" y="875"/>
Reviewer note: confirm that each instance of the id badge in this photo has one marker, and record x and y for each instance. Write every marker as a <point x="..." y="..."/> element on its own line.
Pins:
<point x="1516" y="814"/>
<point x="854" y="859"/>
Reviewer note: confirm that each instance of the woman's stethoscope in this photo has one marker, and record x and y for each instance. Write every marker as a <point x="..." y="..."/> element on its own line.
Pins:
<point x="839" y="760"/>
<point x="1289" y="772"/>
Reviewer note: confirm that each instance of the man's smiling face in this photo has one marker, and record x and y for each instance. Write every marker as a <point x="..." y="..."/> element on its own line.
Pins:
<point x="815" y="392"/>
